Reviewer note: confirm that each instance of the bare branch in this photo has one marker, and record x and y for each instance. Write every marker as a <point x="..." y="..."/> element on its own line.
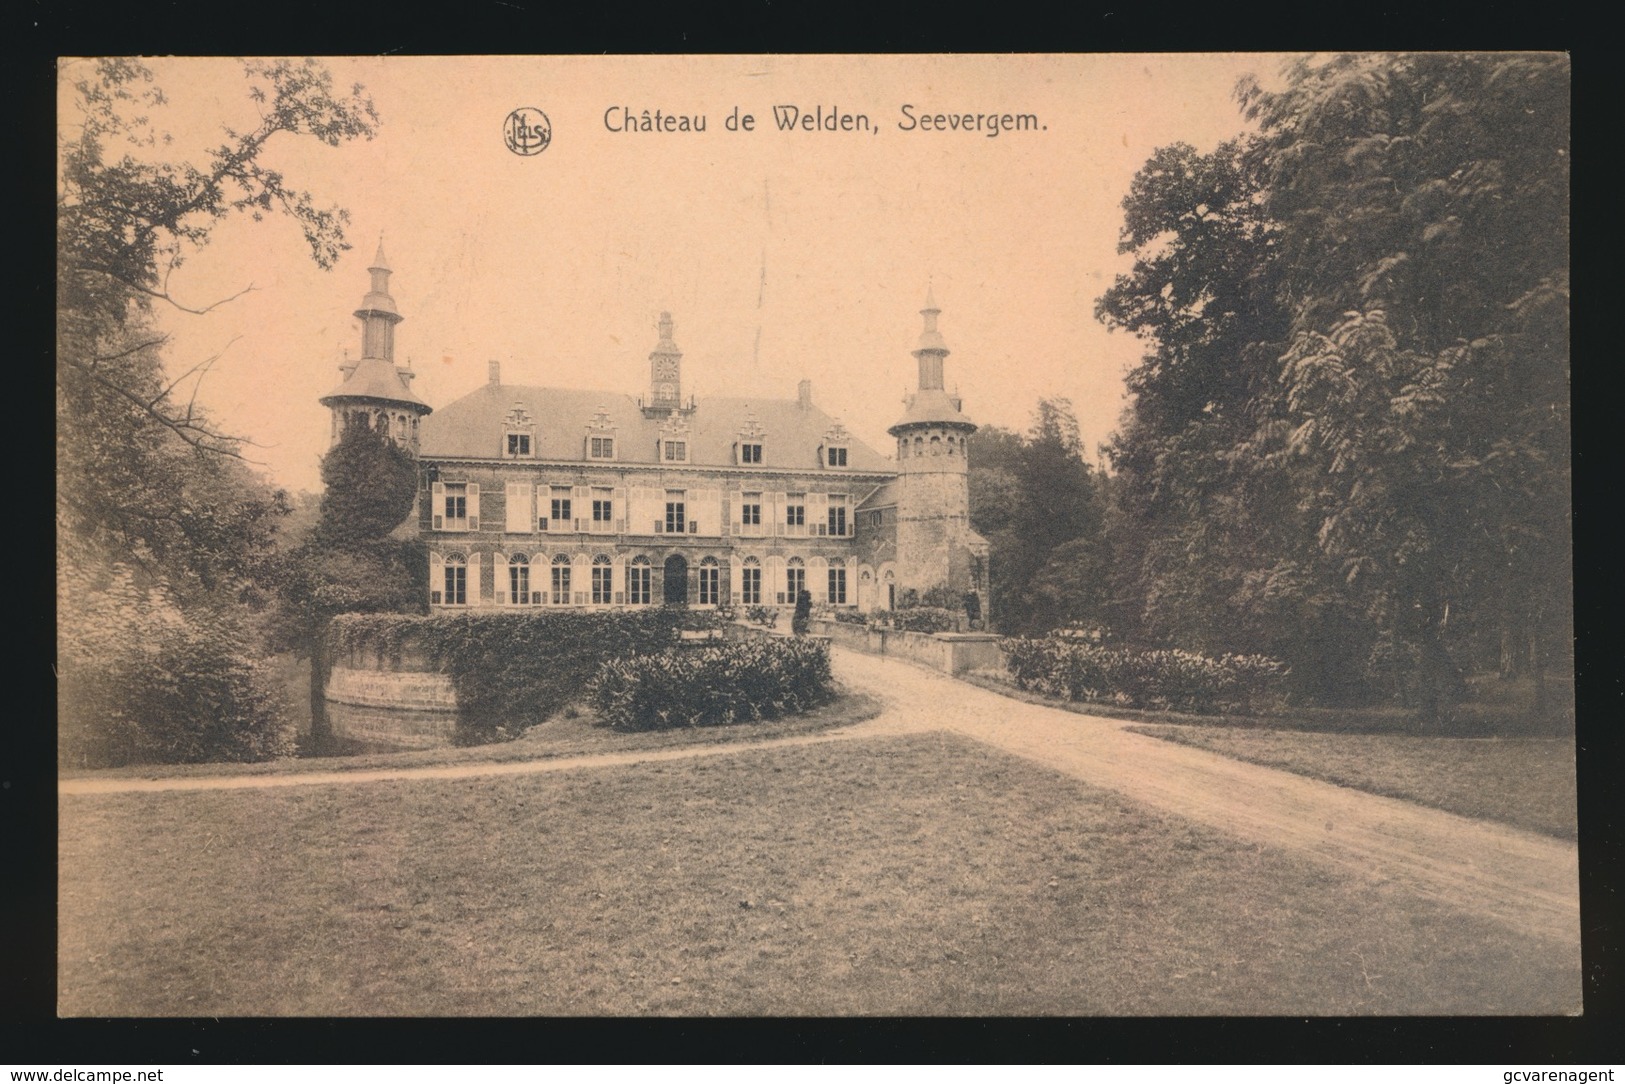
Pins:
<point x="202" y="369"/>
<point x="198" y="436"/>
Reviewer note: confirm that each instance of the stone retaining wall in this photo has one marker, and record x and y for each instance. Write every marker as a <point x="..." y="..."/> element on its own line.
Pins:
<point x="391" y="689"/>
<point x="949" y="652"/>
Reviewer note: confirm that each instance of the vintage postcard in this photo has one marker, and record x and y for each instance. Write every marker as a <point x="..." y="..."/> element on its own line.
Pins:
<point x="1038" y="535"/>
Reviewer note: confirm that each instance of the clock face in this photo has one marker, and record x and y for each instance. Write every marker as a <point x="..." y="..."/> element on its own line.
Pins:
<point x="666" y="370"/>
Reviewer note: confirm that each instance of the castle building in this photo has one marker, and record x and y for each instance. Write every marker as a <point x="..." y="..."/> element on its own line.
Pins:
<point x="543" y="496"/>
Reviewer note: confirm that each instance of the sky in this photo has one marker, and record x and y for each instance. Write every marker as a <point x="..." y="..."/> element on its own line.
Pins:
<point x="781" y="255"/>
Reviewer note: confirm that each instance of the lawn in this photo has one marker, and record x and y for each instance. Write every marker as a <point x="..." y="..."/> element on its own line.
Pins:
<point x="910" y="875"/>
<point x="575" y="731"/>
<point x="1525" y="782"/>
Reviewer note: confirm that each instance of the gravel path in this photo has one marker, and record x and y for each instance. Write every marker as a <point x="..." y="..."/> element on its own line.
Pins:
<point x="1526" y="881"/>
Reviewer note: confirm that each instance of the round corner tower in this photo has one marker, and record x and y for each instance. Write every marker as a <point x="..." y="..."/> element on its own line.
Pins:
<point x="934" y="536"/>
<point x="375" y="391"/>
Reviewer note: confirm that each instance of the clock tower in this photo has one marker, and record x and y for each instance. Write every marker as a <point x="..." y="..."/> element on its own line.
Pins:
<point x="665" y="370"/>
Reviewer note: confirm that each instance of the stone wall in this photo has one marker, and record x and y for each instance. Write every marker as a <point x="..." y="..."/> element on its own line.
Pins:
<point x="949" y="652"/>
<point x="372" y="704"/>
<point x="380" y="688"/>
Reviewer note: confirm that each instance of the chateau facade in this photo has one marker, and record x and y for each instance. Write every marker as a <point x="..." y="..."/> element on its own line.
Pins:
<point x="541" y="496"/>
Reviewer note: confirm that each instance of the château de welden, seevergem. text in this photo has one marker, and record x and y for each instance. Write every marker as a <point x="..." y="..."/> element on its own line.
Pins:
<point x="821" y="118"/>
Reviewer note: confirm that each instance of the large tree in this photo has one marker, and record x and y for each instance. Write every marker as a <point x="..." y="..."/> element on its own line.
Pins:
<point x="1351" y="424"/>
<point x="1423" y="205"/>
<point x="164" y="532"/>
<point x="1035" y="499"/>
<point x="133" y="446"/>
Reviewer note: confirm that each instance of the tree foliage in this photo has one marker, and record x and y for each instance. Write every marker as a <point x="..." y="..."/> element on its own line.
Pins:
<point x="1349" y="431"/>
<point x="165" y="536"/>
<point x="369" y="485"/>
<point x="1036" y="501"/>
<point x="352" y="560"/>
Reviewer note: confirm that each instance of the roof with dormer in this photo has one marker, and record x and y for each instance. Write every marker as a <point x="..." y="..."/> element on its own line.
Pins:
<point x="376" y="379"/>
<point x="474" y="427"/>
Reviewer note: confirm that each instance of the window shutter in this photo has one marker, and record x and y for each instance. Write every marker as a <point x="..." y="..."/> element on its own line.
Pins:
<point x="499" y="570"/>
<point x="437" y="576"/>
<point x="738" y="511"/>
<point x="437" y="504"/>
<point x="581" y="507"/>
<point x="473" y="508"/>
<point x="618" y="510"/>
<point x="773" y="579"/>
<point x="817" y="513"/>
<point x="475" y="582"/>
<point x="516" y="510"/>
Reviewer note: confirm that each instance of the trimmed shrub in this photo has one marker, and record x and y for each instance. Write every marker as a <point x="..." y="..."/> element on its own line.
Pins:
<point x="850" y="617"/>
<point x="736" y="682"/>
<point x="512" y="670"/>
<point x="141" y="681"/>
<point x="766" y="616"/>
<point x="1169" y="679"/>
<point x="924" y="619"/>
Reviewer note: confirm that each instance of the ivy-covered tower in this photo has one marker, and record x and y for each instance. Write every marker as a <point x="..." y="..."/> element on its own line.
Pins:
<point x="375" y="391"/>
<point x="935" y="544"/>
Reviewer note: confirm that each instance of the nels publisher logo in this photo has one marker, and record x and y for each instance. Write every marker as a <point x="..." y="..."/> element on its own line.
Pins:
<point x="527" y="131"/>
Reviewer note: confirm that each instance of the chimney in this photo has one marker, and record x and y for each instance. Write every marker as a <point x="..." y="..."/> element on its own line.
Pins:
<point x="804" y="394"/>
<point x="494" y="371"/>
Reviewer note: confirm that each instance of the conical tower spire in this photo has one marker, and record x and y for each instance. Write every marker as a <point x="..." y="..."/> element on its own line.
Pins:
<point x="377" y="313"/>
<point x="932" y="348"/>
<point x="375" y="392"/>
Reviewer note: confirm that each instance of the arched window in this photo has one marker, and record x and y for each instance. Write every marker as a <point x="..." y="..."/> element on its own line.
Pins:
<point x="936" y="444"/>
<point x="919" y="446"/>
<point x="601" y="573"/>
<point x="519" y="579"/>
<point x="750" y="582"/>
<point x="456" y="576"/>
<point x="795" y="579"/>
<point x="638" y="580"/>
<point x="950" y="445"/>
<point x="561" y="580"/>
<point x="710" y="581"/>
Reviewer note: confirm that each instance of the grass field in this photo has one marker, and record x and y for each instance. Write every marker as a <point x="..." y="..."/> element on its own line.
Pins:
<point x="1525" y="782"/>
<point x="909" y="875"/>
<point x="572" y="732"/>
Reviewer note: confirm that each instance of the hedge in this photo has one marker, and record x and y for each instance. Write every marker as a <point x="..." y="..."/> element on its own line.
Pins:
<point x="923" y="619"/>
<point x="513" y="670"/>
<point x="735" y="682"/>
<point x="1168" y="679"/>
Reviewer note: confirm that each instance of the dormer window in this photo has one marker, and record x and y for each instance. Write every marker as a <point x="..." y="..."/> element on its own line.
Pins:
<point x="519" y="439"/>
<point x="836" y="441"/>
<point x="750" y="440"/>
<point x="673" y="441"/>
<point x="601" y="436"/>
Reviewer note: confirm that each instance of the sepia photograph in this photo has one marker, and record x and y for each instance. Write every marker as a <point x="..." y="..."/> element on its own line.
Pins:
<point x="1040" y="535"/>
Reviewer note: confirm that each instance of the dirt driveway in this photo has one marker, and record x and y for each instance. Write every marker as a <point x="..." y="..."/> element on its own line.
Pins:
<point x="1526" y="881"/>
<point x="1529" y="882"/>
